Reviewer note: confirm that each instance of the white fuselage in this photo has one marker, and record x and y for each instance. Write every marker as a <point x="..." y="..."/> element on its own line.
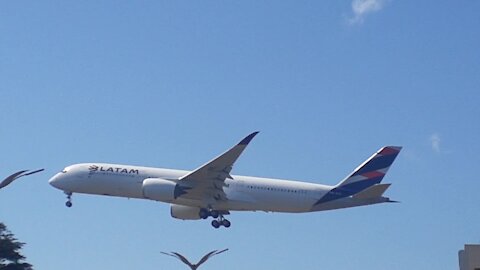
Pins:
<point x="243" y="192"/>
<point x="211" y="191"/>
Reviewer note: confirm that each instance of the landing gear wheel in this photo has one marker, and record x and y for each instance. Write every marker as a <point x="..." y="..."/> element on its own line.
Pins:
<point x="214" y="213"/>
<point x="215" y="224"/>
<point x="69" y="199"/>
<point x="203" y="214"/>
<point x="226" y="223"/>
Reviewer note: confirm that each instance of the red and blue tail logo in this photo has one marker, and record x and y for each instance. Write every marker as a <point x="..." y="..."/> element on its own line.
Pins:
<point x="369" y="173"/>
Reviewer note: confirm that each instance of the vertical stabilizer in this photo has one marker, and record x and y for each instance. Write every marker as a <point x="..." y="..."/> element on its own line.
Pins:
<point x="369" y="173"/>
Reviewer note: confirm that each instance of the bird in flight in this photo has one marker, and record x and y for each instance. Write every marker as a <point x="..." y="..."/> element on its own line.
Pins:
<point x="15" y="176"/>
<point x="196" y="265"/>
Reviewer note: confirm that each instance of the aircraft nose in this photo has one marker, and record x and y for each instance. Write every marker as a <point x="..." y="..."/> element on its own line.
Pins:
<point x="55" y="181"/>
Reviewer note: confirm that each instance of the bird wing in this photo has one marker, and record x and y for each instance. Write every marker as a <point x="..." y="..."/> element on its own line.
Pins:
<point x="10" y="179"/>
<point x="166" y="253"/>
<point x="36" y="171"/>
<point x="221" y="251"/>
<point x="183" y="259"/>
<point x="206" y="257"/>
<point x="7" y="181"/>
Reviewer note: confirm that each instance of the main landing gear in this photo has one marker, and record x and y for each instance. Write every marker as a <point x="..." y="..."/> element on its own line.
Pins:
<point x="218" y="221"/>
<point x="69" y="199"/>
<point x="221" y="221"/>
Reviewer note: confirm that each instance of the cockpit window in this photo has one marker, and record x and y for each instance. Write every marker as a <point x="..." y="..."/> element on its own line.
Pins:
<point x="65" y="170"/>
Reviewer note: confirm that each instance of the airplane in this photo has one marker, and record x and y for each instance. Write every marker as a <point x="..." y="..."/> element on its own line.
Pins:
<point x="211" y="191"/>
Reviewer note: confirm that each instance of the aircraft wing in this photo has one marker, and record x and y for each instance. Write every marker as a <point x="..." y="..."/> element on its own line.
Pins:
<point x="206" y="182"/>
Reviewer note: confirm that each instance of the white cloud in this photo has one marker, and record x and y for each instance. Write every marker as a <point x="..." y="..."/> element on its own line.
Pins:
<point x="361" y="8"/>
<point x="435" y="142"/>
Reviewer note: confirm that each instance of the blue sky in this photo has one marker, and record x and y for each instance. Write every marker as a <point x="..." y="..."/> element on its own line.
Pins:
<point x="172" y="84"/>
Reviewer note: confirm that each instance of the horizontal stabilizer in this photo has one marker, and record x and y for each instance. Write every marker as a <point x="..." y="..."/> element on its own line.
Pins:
<point x="374" y="191"/>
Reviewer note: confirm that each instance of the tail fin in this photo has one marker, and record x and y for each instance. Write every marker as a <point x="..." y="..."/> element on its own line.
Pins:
<point x="369" y="173"/>
<point x="372" y="171"/>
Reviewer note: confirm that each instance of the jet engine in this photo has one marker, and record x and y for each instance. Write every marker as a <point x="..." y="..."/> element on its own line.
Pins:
<point x="159" y="189"/>
<point x="184" y="212"/>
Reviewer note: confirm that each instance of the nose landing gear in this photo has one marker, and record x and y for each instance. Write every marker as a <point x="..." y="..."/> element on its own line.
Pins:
<point x="69" y="199"/>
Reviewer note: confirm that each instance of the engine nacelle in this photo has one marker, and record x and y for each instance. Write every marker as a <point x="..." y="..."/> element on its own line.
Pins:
<point x="159" y="189"/>
<point x="184" y="212"/>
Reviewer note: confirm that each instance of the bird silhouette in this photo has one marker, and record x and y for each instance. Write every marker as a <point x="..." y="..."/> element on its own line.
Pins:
<point x="196" y="265"/>
<point x="15" y="176"/>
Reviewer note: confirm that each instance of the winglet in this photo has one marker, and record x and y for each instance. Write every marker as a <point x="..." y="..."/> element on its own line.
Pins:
<point x="247" y="139"/>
